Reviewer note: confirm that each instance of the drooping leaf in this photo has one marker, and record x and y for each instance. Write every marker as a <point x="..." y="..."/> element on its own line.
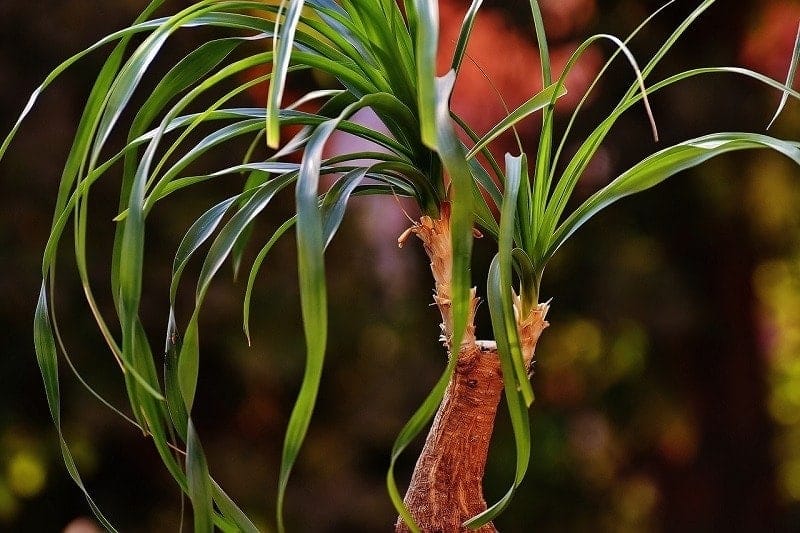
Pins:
<point x="200" y="491"/>
<point x="254" y="269"/>
<point x="311" y="274"/>
<point x="335" y="203"/>
<point x="515" y="403"/>
<point x="195" y="236"/>
<point x="519" y="394"/>
<point x="231" y="511"/>
<point x="666" y="163"/>
<point x="47" y="358"/>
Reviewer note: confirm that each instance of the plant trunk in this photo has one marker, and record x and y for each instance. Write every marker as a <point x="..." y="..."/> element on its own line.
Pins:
<point x="446" y="488"/>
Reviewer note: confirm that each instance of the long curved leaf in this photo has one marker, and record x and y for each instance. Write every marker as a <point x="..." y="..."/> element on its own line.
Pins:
<point x="666" y="163"/>
<point x="425" y="17"/>
<point x="516" y="168"/>
<point x="566" y="184"/>
<point x="231" y="511"/>
<point x="540" y="100"/>
<point x="311" y="273"/>
<point x="254" y="269"/>
<point x="454" y="159"/>
<point x="188" y="360"/>
<point x="580" y="161"/>
<point x="313" y="300"/>
<point x="515" y="403"/>
<point x="464" y="34"/>
<point x="335" y="202"/>
<point x="195" y="236"/>
<point x="46" y="356"/>
<point x="283" y="43"/>
<point x="200" y="491"/>
<point x="789" y="77"/>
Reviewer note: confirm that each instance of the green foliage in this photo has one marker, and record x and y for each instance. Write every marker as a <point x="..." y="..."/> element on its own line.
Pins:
<point x="383" y="60"/>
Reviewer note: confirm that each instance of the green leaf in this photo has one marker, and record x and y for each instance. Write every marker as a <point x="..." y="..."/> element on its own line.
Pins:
<point x="464" y="34"/>
<point x="534" y="211"/>
<point x="46" y="355"/>
<point x="482" y="212"/>
<point x="425" y="13"/>
<point x="313" y="300"/>
<point x="189" y="359"/>
<point x="529" y="281"/>
<point x="789" y="77"/>
<point x="153" y="411"/>
<point x="566" y="184"/>
<point x="254" y="269"/>
<point x="335" y="202"/>
<point x="47" y="358"/>
<point x="311" y="273"/>
<point x="134" y="69"/>
<point x="451" y="152"/>
<point x="199" y="483"/>
<point x="130" y="244"/>
<point x="584" y="153"/>
<point x="387" y="46"/>
<point x="538" y="101"/>
<point x="106" y="74"/>
<point x="516" y="406"/>
<point x="231" y="511"/>
<point x="581" y="159"/>
<point x="189" y="362"/>
<point x="227" y="237"/>
<point x="186" y="72"/>
<point x="541" y="42"/>
<point x="515" y="166"/>
<point x="172" y="390"/>
<point x="254" y="179"/>
<point x="666" y="163"/>
<point x="283" y="43"/>
<point x="195" y="236"/>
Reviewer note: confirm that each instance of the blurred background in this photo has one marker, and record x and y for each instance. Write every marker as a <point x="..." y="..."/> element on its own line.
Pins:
<point x="668" y="385"/>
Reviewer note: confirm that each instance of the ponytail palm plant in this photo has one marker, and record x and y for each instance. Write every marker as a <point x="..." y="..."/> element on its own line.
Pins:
<point x="383" y="56"/>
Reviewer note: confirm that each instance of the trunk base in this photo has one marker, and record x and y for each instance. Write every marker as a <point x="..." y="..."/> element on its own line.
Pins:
<point x="446" y="488"/>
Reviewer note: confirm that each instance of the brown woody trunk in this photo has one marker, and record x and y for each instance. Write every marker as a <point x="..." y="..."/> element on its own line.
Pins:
<point x="446" y="488"/>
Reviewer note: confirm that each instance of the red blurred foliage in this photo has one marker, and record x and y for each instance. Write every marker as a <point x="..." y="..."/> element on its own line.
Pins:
<point x="566" y="18"/>
<point x="768" y="45"/>
<point x="503" y="63"/>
